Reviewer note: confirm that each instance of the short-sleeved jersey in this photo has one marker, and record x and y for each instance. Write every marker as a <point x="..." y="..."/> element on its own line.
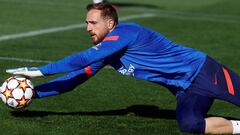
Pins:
<point x="139" y="52"/>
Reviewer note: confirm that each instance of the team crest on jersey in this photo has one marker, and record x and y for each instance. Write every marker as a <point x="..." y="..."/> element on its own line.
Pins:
<point x="127" y="71"/>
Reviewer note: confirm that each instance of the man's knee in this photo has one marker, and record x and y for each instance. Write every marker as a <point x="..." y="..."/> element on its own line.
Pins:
<point x="194" y="126"/>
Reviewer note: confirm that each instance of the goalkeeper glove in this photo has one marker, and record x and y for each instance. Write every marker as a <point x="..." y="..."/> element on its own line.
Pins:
<point x="25" y="71"/>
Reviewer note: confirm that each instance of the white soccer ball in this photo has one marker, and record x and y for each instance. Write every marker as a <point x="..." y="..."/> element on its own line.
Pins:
<point x="17" y="92"/>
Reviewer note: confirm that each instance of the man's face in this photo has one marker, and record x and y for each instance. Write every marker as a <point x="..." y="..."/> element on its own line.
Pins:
<point x="97" y="26"/>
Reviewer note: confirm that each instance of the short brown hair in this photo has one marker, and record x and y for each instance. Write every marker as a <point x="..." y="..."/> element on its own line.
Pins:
<point x="108" y="11"/>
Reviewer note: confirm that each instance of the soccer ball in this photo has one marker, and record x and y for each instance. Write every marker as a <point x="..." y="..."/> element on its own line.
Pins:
<point x="17" y="92"/>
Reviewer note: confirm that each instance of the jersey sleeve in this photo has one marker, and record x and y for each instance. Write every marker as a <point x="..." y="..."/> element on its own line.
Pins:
<point x="110" y="45"/>
<point x="68" y="82"/>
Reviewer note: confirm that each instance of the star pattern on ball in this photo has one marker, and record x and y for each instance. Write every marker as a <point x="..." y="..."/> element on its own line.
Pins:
<point x="23" y="85"/>
<point x="23" y="102"/>
<point x="8" y="93"/>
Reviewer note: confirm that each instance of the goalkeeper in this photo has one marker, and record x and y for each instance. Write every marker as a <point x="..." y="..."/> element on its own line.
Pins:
<point x="191" y="75"/>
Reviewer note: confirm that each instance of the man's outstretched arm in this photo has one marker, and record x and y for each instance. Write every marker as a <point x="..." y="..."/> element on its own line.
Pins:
<point x="68" y="82"/>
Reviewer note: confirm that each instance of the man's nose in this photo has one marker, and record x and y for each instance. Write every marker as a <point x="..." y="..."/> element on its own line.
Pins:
<point x="89" y="28"/>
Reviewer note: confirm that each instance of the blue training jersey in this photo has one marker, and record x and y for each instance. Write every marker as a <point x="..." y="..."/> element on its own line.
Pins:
<point x="139" y="52"/>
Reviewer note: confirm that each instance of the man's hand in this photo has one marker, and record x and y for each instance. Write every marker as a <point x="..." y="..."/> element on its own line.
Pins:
<point x="25" y="71"/>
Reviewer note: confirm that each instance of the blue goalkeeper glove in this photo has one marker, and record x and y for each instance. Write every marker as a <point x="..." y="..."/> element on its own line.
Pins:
<point x="25" y="71"/>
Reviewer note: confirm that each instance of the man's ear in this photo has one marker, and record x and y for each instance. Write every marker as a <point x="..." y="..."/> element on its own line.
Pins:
<point x="111" y="24"/>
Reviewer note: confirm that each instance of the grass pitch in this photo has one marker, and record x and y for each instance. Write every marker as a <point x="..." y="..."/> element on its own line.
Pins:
<point x="110" y="103"/>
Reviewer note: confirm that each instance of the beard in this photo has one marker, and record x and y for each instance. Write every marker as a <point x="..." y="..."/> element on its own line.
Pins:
<point x="96" y="39"/>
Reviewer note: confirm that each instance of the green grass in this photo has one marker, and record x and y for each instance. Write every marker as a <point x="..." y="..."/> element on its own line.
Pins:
<point x="110" y="103"/>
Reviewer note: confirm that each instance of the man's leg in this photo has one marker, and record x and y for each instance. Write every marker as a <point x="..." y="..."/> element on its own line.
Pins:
<point x="191" y="112"/>
<point x="191" y="116"/>
<point x="226" y="87"/>
<point x="218" y="82"/>
<point x="218" y="125"/>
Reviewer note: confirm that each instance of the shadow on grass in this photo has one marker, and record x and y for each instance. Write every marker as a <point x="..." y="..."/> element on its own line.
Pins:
<point x="149" y="111"/>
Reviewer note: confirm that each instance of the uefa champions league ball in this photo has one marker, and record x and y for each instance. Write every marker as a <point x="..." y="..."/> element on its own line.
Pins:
<point x="17" y="92"/>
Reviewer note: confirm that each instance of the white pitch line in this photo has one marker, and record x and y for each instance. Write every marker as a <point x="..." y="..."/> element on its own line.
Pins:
<point x="25" y="60"/>
<point x="40" y="32"/>
<point x="64" y="28"/>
